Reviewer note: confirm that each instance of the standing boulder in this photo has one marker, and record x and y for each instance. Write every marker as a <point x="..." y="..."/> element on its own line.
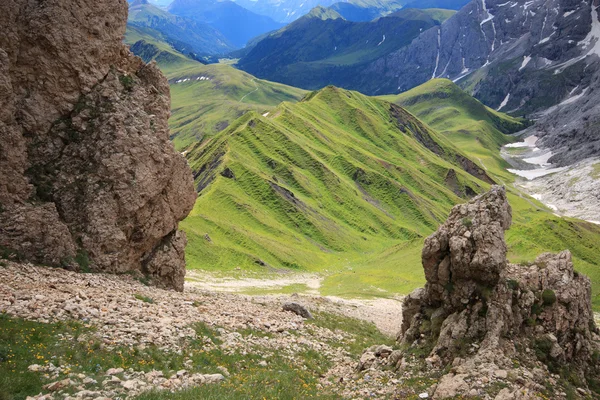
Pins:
<point x="88" y="176"/>
<point x="477" y="309"/>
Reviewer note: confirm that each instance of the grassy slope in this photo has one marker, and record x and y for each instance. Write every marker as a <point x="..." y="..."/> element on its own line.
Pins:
<point x="330" y="183"/>
<point x="474" y="128"/>
<point x="201" y="108"/>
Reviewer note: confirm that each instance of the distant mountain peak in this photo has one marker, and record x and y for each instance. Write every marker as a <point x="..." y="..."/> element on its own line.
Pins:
<point x="139" y="3"/>
<point x="323" y="13"/>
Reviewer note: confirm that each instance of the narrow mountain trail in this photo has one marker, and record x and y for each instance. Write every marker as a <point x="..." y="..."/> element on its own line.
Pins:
<point x="248" y="94"/>
<point x="385" y="313"/>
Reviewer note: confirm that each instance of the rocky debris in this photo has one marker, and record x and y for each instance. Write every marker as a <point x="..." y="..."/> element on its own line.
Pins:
<point x="88" y="176"/>
<point x="128" y="385"/>
<point x="297" y="309"/>
<point x="111" y="305"/>
<point x="574" y="192"/>
<point x="493" y="323"/>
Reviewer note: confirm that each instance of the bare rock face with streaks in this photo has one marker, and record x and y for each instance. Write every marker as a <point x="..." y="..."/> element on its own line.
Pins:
<point x="88" y="177"/>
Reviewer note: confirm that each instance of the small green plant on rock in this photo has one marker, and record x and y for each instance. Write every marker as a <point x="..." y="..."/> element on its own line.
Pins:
<point x="143" y="298"/>
<point x="512" y="284"/>
<point x="468" y="222"/>
<point x="127" y="82"/>
<point x="548" y="297"/>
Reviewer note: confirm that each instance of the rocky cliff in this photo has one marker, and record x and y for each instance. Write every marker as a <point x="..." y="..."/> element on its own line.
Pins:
<point x="88" y="177"/>
<point x="516" y="56"/>
<point x="484" y="324"/>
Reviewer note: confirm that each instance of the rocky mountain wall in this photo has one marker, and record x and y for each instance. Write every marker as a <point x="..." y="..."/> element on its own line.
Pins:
<point x="88" y="176"/>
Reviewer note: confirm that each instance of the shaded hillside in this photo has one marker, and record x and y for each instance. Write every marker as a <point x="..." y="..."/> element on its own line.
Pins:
<point x="187" y="35"/>
<point x="322" y="48"/>
<point x="464" y="120"/>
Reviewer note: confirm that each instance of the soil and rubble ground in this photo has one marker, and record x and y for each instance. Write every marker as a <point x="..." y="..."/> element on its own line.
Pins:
<point x="70" y="335"/>
<point x="65" y="335"/>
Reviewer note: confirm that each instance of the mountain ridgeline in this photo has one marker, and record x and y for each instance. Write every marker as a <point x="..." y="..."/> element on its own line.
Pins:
<point x="336" y="173"/>
<point x="287" y="11"/>
<point x="323" y="48"/>
<point x="521" y="56"/>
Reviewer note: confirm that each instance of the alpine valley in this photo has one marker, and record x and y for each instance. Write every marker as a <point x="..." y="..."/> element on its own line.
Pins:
<point x="293" y="199"/>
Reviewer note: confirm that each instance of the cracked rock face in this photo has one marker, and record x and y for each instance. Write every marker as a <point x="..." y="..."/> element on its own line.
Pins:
<point x="474" y="299"/>
<point x="88" y="176"/>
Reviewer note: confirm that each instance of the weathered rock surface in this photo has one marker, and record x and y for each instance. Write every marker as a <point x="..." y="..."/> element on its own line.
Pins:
<point x="87" y="171"/>
<point x="297" y="309"/>
<point x="477" y="312"/>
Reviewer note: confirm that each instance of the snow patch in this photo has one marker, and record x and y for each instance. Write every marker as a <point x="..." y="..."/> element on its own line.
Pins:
<point x="437" y="57"/>
<point x="541" y="160"/>
<point x="573" y="99"/>
<point x="526" y="60"/>
<point x="592" y="40"/>
<point x="535" y="173"/>
<point x="565" y="15"/>
<point x="528" y="142"/>
<point x="504" y="102"/>
<point x="382" y="40"/>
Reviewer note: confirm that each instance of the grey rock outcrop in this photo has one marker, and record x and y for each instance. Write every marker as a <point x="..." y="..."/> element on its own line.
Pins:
<point x="475" y="305"/>
<point x="297" y="309"/>
<point x="87" y="171"/>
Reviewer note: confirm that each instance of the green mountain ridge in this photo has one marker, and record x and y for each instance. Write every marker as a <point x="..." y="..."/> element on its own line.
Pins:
<point x="348" y="186"/>
<point x="334" y="177"/>
<point x="384" y="264"/>
<point x="205" y="99"/>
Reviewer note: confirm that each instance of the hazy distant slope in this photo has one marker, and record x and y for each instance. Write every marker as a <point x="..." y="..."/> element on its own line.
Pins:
<point x="322" y="48"/>
<point x="199" y="37"/>
<point x="236" y="23"/>
<point x="287" y="11"/>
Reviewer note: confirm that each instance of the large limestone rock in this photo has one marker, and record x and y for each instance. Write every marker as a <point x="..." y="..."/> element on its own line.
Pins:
<point x="476" y="309"/>
<point x="87" y="172"/>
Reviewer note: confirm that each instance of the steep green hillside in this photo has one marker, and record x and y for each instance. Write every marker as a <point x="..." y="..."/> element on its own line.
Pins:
<point x="349" y="186"/>
<point x="205" y="99"/>
<point x="184" y="34"/>
<point x="469" y="124"/>
<point x="333" y="182"/>
<point x="322" y="48"/>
